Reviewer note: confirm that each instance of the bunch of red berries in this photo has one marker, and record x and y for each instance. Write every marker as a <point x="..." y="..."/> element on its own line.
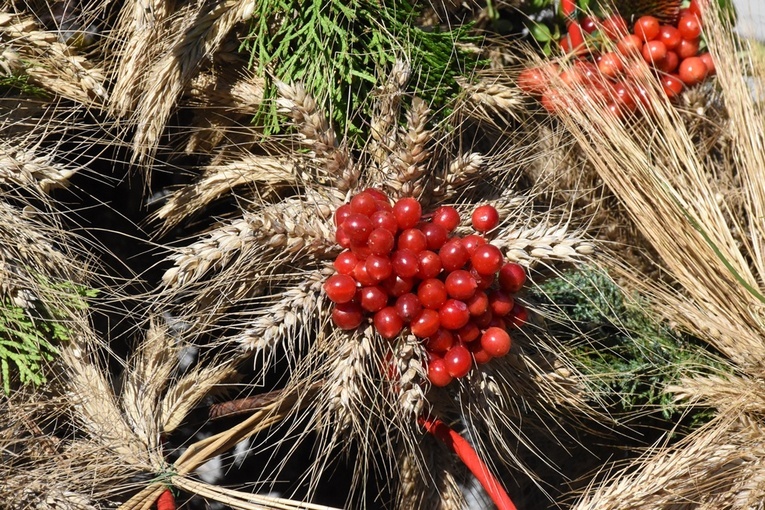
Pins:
<point x="606" y="73"/>
<point x="405" y="271"/>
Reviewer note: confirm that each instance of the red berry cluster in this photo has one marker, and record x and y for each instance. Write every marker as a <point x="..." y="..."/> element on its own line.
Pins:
<point x="405" y="271"/>
<point x="608" y="77"/>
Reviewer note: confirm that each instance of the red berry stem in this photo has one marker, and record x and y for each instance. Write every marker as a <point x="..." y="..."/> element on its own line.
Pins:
<point x="469" y="457"/>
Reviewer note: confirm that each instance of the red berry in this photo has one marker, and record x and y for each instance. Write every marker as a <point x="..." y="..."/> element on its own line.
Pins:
<point x="689" y="27"/>
<point x="376" y="194"/>
<point x="388" y="323"/>
<point x="408" y="306"/>
<point x="669" y="64"/>
<point x="379" y="267"/>
<point x="381" y="241"/>
<point x="407" y="212"/>
<point x="438" y="374"/>
<point x="468" y="333"/>
<point x="478" y="304"/>
<point x="460" y="285"/>
<point x="487" y="259"/>
<point x="483" y="320"/>
<point x="453" y="255"/>
<point x="386" y="220"/>
<point x="432" y="293"/>
<point x="429" y="265"/>
<point x="672" y="85"/>
<point x="342" y="214"/>
<point x="485" y="218"/>
<point x="614" y="26"/>
<point x="479" y="354"/>
<point x="396" y="285"/>
<point x="692" y="70"/>
<point x="347" y="315"/>
<point x="458" y="361"/>
<point x="688" y="48"/>
<point x="340" y="288"/>
<point x="497" y="322"/>
<point x="646" y="27"/>
<point x="623" y="95"/>
<point x="500" y="303"/>
<point x="707" y="59"/>
<point x="425" y="324"/>
<point x="484" y="281"/>
<point x="670" y="36"/>
<point x="496" y="342"/>
<point x="512" y="276"/>
<point x="630" y="45"/>
<point x="412" y="239"/>
<point x="405" y="263"/>
<point x="447" y="217"/>
<point x="654" y="52"/>
<point x="342" y="238"/>
<point x="373" y="298"/>
<point x="519" y="316"/>
<point x="695" y="8"/>
<point x="435" y="234"/>
<point x="589" y="24"/>
<point x="345" y="262"/>
<point x="358" y="227"/>
<point x="364" y="203"/>
<point x="441" y="341"/>
<point x="472" y="242"/>
<point x="453" y="314"/>
<point x="361" y="250"/>
<point x="361" y="274"/>
<point x="610" y="64"/>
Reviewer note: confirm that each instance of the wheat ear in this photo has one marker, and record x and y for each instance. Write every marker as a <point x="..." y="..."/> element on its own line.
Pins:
<point x="405" y="169"/>
<point x="29" y="167"/>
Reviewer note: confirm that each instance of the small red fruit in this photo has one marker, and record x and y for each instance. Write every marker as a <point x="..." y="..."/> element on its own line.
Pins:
<point x="412" y="239"/>
<point x="672" y="85"/>
<point x="386" y="220"/>
<point x="669" y="64"/>
<point x="435" y="234"/>
<point x="589" y="24"/>
<point x="670" y="36"/>
<point x="342" y="214"/>
<point x="446" y="216"/>
<point x="472" y="242"/>
<point x="480" y="355"/>
<point x="347" y="316"/>
<point x="364" y="203"/>
<point x="689" y="27"/>
<point x="340" y="288"/>
<point x="405" y="263"/>
<point x="379" y="267"/>
<point x="654" y="52"/>
<point x="692" y="70"/>
<point x="429" y="265"/>
<point x="345" y="262"/>
<point x="496" y="342"/>
<point x="478" y="304"/>
<point x="485" y="218"/>
<point x="373" y="298"/>
<point x="610" y="64"/>
<point x="615" y="27"/>
<point x="438" y="374"/>
<point x="458" y="361"/>
<point x="512" y="276"/>
<point x="533" y="81"/>
<point x="453" y="255"/>
<point x="707" y="59"/>
<point x="408" y="306"/>
<point x="441" y="341"/>
<point x="396" y="285"/>
<point x="468" y="333"/>
<point x="407" y="212"/>
<point x="388" y="323"/>
<point x="432" y="294"/>
<point x="486" y="259"/>
<point x="500" y="303"/>
<point x="380" y="241"/>
<point x="453" y="314"/>
<point x="630" y="45"/>
<point x="519" y="316"/>
<point x="688" y="48"/>
<point x="646" y="27"/>
<point x="358" y="227"/>
<point x="376" y="194"/>
<point x="460" y="285"/>
<point x="425" y="324"/>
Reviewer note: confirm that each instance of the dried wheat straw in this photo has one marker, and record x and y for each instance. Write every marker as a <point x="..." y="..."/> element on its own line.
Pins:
<point x="488" y="98"/>
<point x="410" y="360"/>
<point x="202" y="33"/>
<point x="461" y="171"/>
<point x="543" y="243"/>
<point x="244" y="95"/>
<point x="383" y="127"/>
<point x="188" y="391"/>
<point x="266" y="172"/>
<point x="28" y="167"/>
<point x="52" y="64"/>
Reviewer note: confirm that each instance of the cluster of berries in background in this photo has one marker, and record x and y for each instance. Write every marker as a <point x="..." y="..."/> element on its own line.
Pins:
<point x="406" y="270"/>
<point x="606" y="64"/>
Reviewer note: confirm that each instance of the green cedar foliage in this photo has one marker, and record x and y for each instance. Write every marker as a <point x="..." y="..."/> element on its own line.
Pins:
<point x="339" y="48"/>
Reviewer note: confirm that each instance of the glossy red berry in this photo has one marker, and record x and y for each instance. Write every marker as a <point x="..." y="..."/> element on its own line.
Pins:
<point x="460" y="285"/>
<point x="429" y="265"/>
<point x="438" y="374"/>
<point x="340" y="288"/>
<point x="364" y="203"/>
<point x="500" y="303"/>
<point x="358" y="227"/>
<point x="468" y="333"/>
<point x="654" y="52"/>
<point x="670" y="36"/>
<point x="407" y="212"/>
<point x="689" y="27"/>
<point x="487" y="259"/>
<point x="447" y="217"/>
<point x="342" y="238"/>
<point x="376" y="194"/>
<point x="485" y="218"/>
<point x="388" y="323"/>
<point x="479" y="354"/>
<point x="405" y="263"/>
<point x="373" y="298"/>
<point x="408" y="306"/>
<point x="453" y="255"/>
<point x="458" y="361"/>
<point x="688" y="48"/>
<point x="435" y="234"/>
<point x="478" y="304"/>
<point x="484" y="281"/>
<point x="589" y="24"/>
<point x="361" y="274"/>
<point x="425" y="324"/>
<point x="483" y="320"/>
<point x="614" y="26"/>
<point x="441" y="341"/>
<point x="347" y="315"/>
<point x="396" y="285"/>
<point x="630" y="45"/>
<point x="361" y="250"/>
<point x="512" y="276"/>
<point x="646" y="27"/>
<point x="342" y="214"/>
<point x="379" y="267"/>
<point x="453" y="314"/>
<point x="432" y="293"/>
<point x="692" y="70"/>
<point x="472" y="242"/>
<point x="345" y="262"/>
<point x="412" y="239"/>
<point x="672" y="85"/>
<point x="380" y="241"/>
<point x="496" y="342"/>
<point x="707" y="59"/>
<point x="386" y="220"/>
